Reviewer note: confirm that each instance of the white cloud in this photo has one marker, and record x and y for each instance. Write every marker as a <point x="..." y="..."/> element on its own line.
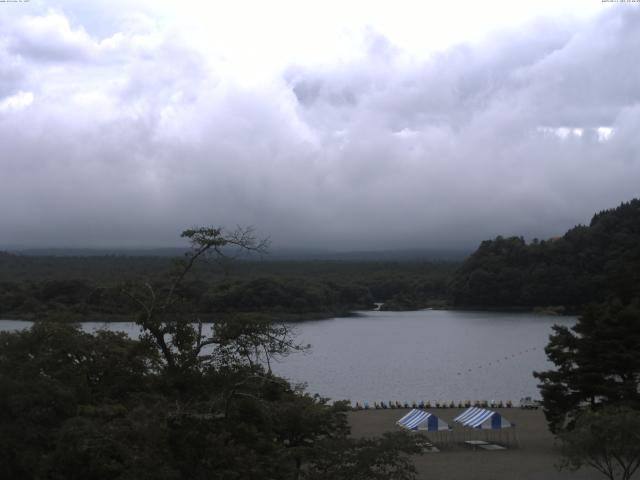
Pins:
<point x="604" y="133"/>
<point x="50" y="38"/>
<point x="143" y="129"/>
<point x="18" y="101"/>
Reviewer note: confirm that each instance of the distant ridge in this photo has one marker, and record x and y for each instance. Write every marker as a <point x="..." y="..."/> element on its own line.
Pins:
<point x="98" y="252"/>
<point x="372" y="255"/>
<point x="274" y="255"/>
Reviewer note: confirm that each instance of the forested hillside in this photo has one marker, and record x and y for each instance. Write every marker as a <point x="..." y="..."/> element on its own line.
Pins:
<point x="92" y="287"/>
<point x="588" y="264"/>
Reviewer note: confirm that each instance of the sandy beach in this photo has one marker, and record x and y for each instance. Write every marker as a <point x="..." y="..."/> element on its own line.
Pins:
<point x="534" y="457"/>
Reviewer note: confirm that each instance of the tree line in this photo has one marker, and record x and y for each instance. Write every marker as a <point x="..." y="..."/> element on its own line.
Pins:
<point x="588" y="264"/>
<point x="591" y="399"/>
<point x="93" y="287"/>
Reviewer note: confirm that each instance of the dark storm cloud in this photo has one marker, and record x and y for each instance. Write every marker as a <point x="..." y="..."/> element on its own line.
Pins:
<point x="131" y="136"/>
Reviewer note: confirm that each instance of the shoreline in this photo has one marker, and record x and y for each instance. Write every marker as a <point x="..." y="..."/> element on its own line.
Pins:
<point x="73" y="317"/>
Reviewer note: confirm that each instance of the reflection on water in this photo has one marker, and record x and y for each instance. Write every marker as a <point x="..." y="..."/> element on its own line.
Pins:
<point x="424" y="355"/>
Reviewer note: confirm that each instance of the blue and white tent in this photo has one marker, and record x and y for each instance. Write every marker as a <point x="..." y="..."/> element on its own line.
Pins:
<point x="421" y="420"/>
<point x="482" y="419"/>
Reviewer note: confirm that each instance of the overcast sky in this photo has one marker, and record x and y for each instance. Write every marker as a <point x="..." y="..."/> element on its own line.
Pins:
<point x="376" y="125"/>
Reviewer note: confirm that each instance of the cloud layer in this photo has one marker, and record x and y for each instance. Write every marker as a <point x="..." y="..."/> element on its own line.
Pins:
<point x="128" y="136"/>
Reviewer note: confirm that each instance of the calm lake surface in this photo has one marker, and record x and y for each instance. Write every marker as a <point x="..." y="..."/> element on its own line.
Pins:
<point x="436" y="355"/>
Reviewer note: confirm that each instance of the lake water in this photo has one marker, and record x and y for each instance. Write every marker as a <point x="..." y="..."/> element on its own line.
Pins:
<point x="425" y="355"/>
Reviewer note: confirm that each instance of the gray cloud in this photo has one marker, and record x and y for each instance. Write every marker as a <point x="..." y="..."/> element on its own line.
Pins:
<point x="12" y="74"/>
<point x="132" y="136"/>
<point x="50" y="38"/>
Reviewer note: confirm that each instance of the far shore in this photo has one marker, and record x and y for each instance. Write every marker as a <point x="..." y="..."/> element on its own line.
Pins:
<point x="65" y="317"/>
<point x="535" y="456"/>
<point x="73" y="317"/>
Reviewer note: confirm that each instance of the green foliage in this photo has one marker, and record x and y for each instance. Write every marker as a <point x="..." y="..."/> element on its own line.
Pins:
<point x="588" y="264"/>
<point x="285" y="295"/>
<point x="82" y="288"/>
<point x="402" y="301"/>
<point x="597" y="363"/>
<point x="184" y="401"/>
<point x="383" y="458"/>
<point x="76" y="405"/>
<point x="111" y="441"/>
<point x="607" y="440"/>
<point x="48" y="374"/>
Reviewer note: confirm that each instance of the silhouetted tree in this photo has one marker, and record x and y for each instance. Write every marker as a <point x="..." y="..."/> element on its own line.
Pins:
<point x="188" y="400"/>
<point x="597" y="363"/>
<point x="607" y="440"/>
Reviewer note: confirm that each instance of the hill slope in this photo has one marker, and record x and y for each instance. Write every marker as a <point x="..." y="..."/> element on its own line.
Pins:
<point x="588" y="264"/>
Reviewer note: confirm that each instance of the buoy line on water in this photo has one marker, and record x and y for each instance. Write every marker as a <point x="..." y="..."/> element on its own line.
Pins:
<point x="394" y="404"/>
<point x="506" y="358"/>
